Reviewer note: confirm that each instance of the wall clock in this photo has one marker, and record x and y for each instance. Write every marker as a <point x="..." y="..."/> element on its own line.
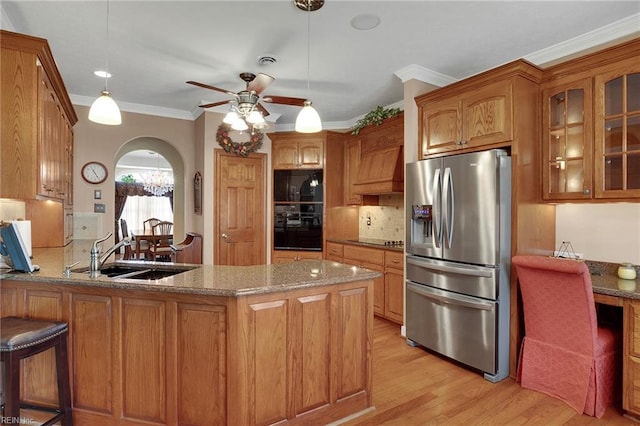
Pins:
<point x="94" y="172"/>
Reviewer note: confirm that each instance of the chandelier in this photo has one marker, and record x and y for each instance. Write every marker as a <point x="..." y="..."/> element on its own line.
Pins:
<point x="158" y="182"/>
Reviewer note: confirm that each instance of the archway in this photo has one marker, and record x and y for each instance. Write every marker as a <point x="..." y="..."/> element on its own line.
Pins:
<point x="174" y="158"/>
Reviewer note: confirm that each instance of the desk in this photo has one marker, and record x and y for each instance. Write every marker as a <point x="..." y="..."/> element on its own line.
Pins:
<point x="608" y="289"/>
<point x="146" y="235"/>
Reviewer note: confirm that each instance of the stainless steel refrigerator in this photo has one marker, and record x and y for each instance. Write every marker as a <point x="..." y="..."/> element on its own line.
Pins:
<point x="458" y="248"/>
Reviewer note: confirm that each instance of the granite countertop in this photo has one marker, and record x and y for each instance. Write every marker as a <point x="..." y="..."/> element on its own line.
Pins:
<point x="367" y="243"/>
<point x="604" y="280"/>
<point x="202" y="279"/>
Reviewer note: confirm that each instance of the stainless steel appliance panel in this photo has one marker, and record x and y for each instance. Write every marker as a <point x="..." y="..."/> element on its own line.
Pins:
<point x="471" y="214"/>
<point x="424" y="188"/>
<point x="471" y="323"/>
<point x="461" y="278"/>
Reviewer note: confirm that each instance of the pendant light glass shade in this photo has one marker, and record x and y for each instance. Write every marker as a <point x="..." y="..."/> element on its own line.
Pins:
<point x="104" y="110"/>
<point x="308" y="120"/>
<point x="239" y="125"/>
<point x="231" y="117"/>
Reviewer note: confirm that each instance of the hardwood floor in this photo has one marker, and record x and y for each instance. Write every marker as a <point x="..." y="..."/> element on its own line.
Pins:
<point x="414" y="387"/>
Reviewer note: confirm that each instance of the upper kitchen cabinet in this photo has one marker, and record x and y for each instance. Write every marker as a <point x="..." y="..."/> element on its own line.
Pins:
<point x="456" y="117"/>
<point x="293" y="151"/>
<point x="567" y="145"/>
<point x="37" y="122"/>
<point x="617" y="131"/>
<point x="591" y="126"/>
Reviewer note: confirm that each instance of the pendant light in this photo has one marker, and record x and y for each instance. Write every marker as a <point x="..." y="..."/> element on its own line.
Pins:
<point x="104" y="109"/>
<point x="308" y="120"/>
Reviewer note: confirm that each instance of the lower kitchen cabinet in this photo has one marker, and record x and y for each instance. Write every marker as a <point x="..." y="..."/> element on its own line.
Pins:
<point x="286" y="256"/>
<point x="394" y="286"/>
<point x="388" y="290"/>
<point x="631" y="358"/>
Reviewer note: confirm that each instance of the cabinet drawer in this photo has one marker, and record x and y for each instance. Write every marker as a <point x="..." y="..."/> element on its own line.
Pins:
<point x="335" y="249"/>
<point x="356" y="255"/>
<point x="394" y="259"/>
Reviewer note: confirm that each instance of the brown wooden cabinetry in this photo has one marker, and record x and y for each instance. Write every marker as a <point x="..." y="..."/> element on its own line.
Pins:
<point x="631" y="357"/>
<point x="285" y="256"/>
<point x="617" y="131"/>
<point x="37" y="133"/>
<point x="567" y="126"/>
<point x="480" y="116"/>
<point x="142" y="357"/>
<point x="591" y="126"/>
<point x="296" y="151"/>
<point x="388" y="290"/>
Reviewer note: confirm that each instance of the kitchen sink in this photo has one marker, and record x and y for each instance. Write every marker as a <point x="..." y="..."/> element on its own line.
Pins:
<point x="136" y="272"/>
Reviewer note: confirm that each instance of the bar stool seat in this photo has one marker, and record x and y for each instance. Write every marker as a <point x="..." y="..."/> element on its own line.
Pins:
<point x="21" y="338"/>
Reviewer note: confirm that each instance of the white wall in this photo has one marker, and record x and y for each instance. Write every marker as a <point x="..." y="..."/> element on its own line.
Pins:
<point x="606" y="232"/>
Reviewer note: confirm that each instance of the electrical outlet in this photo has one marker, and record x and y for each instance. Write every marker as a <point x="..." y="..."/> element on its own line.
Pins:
<point x="368" y="219"/>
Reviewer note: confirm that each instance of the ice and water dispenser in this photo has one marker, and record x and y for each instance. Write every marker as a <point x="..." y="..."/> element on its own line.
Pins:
<point x="421" y="224"/>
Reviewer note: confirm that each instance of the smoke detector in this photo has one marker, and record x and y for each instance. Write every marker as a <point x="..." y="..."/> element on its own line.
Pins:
<point x="266" y="60"/>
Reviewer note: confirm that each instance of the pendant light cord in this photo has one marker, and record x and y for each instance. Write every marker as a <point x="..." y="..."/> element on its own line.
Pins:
<point x="308" y="45"/>
<point x="106" y="56"/>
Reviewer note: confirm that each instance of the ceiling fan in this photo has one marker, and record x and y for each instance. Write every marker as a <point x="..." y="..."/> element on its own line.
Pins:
<point x="245" y="104"/>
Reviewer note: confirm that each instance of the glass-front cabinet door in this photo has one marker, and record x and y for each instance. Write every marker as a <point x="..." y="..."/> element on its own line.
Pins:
<point x="617" y="132"/>
<point x="567" y="124"/>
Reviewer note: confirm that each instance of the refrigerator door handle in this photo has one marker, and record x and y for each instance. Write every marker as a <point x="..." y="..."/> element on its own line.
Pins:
<point x="437" y="213"/>
<point x="449" y="298"/>
<point x="475" y="272"/>
<point x="448" y="207"/>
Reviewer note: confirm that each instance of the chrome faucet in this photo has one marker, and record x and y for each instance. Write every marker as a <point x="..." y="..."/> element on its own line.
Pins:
<point x="96" y="261"/>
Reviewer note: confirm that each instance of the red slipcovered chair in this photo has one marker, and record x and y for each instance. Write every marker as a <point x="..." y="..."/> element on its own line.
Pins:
<point x="564" y="353"/>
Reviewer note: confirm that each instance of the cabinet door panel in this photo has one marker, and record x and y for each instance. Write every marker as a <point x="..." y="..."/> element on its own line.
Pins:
<point x="266" y="335"/>
<point x="617" y="132"/>
<point x="488" y="115"/>
<point x="353" y="340"/>
<point x="311" y="357"/>
<point x="394" y="295"/>
<point x="285" y="155"/>
<point x="93" y="353"/>
<point x="567" y="145"/>
<point x="201" y="341"/>
<point x="311" y="154"/>
<point x="143" y="360"/>
<point x="351" y="165"/>
<point x="441" y="126"/>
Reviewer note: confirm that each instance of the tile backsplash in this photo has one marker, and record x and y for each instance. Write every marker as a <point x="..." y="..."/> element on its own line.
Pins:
<point x="387" y="219"/>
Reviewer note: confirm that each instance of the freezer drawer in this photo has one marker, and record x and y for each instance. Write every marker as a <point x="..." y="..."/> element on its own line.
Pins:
<point x="461" y="327"/>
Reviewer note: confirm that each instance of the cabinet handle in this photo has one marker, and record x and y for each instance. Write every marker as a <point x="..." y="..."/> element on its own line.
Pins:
<point x="586" y="191"/>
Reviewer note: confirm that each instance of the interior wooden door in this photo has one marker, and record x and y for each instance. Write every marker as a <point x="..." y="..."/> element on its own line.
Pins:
<point x="240" y="209"/>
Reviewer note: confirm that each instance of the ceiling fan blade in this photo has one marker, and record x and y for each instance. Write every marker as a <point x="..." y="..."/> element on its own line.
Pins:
<point x="206" y="86"/>
<point x="262" y="109"/>
<point x="260" y="82"/>
<point x="286" y="100"/>
<point x="214" y="104"/>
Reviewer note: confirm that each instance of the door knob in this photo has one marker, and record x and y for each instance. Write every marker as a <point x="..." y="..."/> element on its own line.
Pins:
<point x="225" y="236"/>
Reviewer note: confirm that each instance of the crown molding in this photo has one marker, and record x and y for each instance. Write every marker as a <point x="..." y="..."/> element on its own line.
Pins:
<point x="613" y="31"/>
<point x="140" y="109"/>
<point x="416" y="72"/>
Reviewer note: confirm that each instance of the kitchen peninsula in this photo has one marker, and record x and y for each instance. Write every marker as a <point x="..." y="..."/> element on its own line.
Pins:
<point x="212" y="345"/>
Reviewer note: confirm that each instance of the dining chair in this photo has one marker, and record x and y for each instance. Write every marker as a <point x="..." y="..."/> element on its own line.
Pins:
<point x="160" y="248"/>
<point x="564" y="353"/>
<point x="128" y="249"/>
<point x="148" y="224"/>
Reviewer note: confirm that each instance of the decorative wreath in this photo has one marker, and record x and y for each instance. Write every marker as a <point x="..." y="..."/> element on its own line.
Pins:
<point x="239" y="148"/>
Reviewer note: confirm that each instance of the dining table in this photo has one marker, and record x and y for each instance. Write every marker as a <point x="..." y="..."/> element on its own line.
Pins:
<point x="147" y="235"/>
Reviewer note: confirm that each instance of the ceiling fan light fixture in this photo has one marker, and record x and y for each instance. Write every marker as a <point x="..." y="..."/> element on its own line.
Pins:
<point x="308" y="120"/>
<point x="255" y="117"/>
<point x="239" y="125"/>
<point x="104" y="110"/>
<point x="231" y="117"/>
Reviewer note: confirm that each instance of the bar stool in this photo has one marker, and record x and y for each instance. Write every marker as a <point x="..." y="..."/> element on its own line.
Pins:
<point x="21" y="338"/>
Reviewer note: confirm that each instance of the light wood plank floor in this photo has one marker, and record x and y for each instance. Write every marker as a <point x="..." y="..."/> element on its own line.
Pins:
<point x="414" y="387"/>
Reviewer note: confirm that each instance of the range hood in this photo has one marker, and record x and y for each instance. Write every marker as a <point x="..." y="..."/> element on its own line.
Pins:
<point x="381" y="171"/>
